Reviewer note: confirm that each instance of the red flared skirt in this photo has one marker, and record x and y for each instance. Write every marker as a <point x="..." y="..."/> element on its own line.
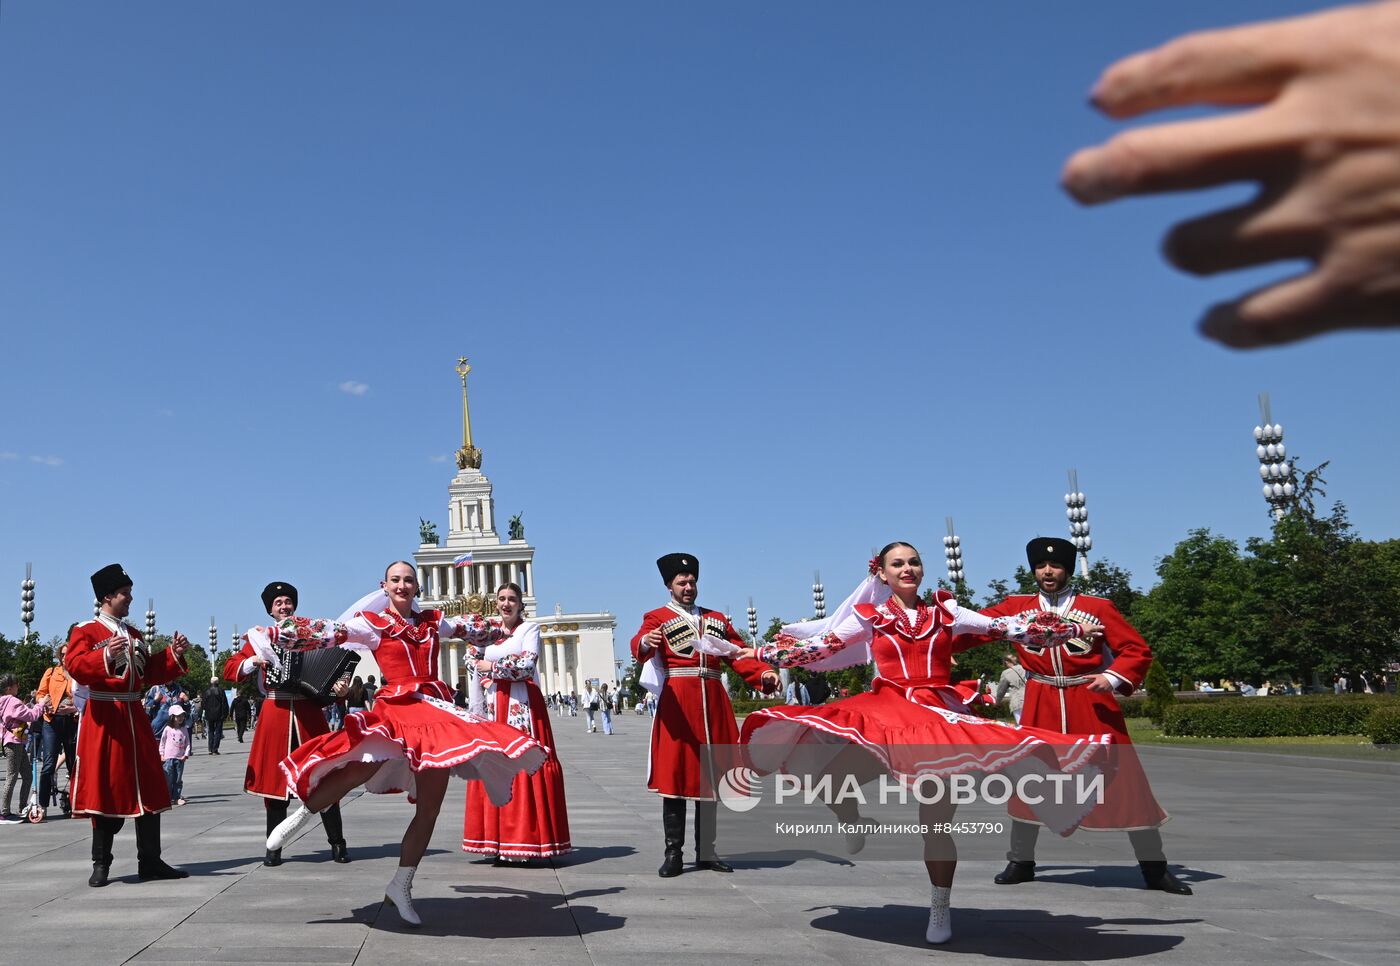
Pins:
<point x="911" y="731"/>
<point x="535" y="823"/>
<point x="411" y="731"/>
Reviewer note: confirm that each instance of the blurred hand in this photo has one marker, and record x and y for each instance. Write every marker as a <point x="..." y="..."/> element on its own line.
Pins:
<point x="1101" y="682"/>
<point x="769" y="682"/>
<point x="1323" y="142"/>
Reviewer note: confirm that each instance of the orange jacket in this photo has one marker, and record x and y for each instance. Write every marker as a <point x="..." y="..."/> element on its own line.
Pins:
<point x="58" y="686"/>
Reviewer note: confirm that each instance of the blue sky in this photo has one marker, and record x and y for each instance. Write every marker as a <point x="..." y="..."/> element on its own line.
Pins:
<point x="770" y="283"/>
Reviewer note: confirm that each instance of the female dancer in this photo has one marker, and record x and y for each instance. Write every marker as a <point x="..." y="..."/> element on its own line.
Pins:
<point x="413" y="738"/>
<point x="911" y="724"/>
<point x="536" y="823"/>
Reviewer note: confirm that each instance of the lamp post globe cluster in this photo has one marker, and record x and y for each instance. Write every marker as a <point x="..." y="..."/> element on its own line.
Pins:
<point x="1078" y="514"/>
<point x="26" y="600"/>
<point x="213" y="639"/>
<point x="818" y="597"/>
<point x="1274" y="468"/>
<point x="952" y="551"/>
<point x="151" y="619"/>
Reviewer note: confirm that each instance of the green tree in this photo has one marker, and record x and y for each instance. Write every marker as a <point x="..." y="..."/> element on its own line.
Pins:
<point x="1160" y="694"/>
<point x="1329" y="601"/>
<point x="1200" y="618"/>
<point x="1110" y="581"/>
<point x="27" y="661"/>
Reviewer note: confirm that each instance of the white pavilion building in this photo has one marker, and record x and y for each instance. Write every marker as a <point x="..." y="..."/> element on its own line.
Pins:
<point x="576" y="648"/>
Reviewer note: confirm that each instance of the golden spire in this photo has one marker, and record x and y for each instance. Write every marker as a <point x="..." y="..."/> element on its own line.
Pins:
<point x="468" y="456"/>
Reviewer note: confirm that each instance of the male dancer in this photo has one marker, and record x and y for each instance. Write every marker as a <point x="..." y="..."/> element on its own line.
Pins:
<point x="1071" y="689"/>
<point x="286" y="720"/>
<point x="119" y="774"/>
<point x="694" y="734"/>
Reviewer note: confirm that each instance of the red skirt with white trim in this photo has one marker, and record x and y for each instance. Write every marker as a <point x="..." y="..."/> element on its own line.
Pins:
<point x="410" y="731"/>
<point x="915" y="730"/>
<point x="535" y="824"/>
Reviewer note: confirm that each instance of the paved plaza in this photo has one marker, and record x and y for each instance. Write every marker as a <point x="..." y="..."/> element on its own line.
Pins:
<point x="1247" y="831"/>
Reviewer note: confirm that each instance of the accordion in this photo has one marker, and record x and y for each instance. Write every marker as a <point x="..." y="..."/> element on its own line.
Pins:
<point x="310" y="674"/>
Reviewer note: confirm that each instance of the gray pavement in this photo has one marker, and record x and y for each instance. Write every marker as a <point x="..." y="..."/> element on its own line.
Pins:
<point x="1292" y="860"/>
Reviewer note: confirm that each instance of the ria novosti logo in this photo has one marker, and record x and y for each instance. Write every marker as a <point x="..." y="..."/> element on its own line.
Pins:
<point x="741" y="789"/>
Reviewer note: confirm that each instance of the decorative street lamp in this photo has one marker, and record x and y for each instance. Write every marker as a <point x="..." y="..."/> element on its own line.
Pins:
<point x="1078" y="522"/>
<point x="213" y="639"/>
<point x="818" y="597"/>
<point x="1275" y="469"/>
<point x="150" y="619"/>
<point x="952" y="550"/>
<point x="26" y="600"/>
<point x="235" y="645"/>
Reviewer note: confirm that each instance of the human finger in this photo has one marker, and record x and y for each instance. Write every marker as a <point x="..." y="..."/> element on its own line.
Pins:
<point x="1179" y="156"/>
<point x="1253" y="234"/>
<point x="1355" y="285"/>
<point x="1286" y="312"/>
<point x="1238" y="65"/>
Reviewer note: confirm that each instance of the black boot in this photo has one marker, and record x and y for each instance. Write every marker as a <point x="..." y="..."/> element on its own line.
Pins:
<point x="275" y="810"/>
<point x="149" y="864"/>
<point x="335" y="833"/>
<point x="103" y="831"/>
<point x="1020" y="858"/>
<point x="1157" y="877"/>
<point x="706" y="818"/>
<point x="673" y="825"/>
<point x="1015" y="873"/>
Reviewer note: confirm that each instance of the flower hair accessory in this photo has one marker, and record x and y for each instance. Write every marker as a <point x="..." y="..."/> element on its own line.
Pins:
<point x="874" y="565"/>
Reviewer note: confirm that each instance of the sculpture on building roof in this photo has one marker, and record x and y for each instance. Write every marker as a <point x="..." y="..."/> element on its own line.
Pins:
<point x="427" y="532"/>
<point x="517" y="529"/>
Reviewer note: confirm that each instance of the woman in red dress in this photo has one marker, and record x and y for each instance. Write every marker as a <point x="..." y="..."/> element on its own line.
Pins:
<point x="535" y="824"/>
<point x="413" y="739"/>
<point x="912" y="724"/>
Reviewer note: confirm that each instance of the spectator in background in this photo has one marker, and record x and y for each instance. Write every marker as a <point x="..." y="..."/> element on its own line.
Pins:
<point x="174" y="750"/>
<point x="241" y="708"/>
<point x="15" y="719"/>
<point x="1011" y="685"/>
<point x="605" y="707"/>
<point x="60" y="729"/>
<point x="215" y="711"/>
<point x="158" y="700"/>
<point x="356" y="699"/>
<point x="590" y="707"/>
<point x="370" y="689"/>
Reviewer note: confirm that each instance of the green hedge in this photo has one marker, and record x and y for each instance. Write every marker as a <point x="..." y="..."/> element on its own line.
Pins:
<point x="1383" y="727"/>
<point x="743" y="706"/>
<point x="1275" y="717"/>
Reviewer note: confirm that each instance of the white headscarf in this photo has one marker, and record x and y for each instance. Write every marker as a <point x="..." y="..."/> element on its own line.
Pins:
<point x="871" y="591"/>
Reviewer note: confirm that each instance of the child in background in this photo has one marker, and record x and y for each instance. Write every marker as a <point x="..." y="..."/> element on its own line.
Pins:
<point x="174" y="749"/>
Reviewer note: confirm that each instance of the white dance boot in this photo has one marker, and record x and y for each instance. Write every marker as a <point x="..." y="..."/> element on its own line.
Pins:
<point x="400" y="893"/>
<point x="940" y="916"/>
<point x="288" y="827"/>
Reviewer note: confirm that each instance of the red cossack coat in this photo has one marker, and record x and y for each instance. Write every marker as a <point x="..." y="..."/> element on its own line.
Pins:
<point x="694" y="738"/>
<point x="118" y="773"/>
<point x="1125" y="657"/>
<point x="283" y="725"/>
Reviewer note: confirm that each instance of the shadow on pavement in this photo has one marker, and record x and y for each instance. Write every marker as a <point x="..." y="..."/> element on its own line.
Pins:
<point x="1005" y="933"/>
<point x="1111" y="876"/>
<point x="513" y="914"/>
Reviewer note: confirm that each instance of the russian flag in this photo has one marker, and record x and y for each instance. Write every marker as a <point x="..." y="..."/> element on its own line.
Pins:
<point x="463" y="560"/>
